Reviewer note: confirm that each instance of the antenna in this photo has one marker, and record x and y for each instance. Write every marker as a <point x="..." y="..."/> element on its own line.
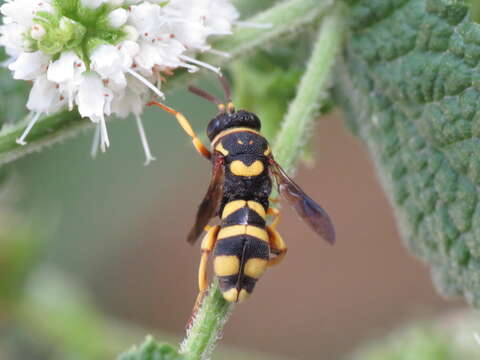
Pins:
<point x="206" y="95"/>
<point x="228" y="93"/>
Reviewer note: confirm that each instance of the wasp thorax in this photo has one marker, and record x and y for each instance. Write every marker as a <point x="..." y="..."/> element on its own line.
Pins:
<point x="226" y="121"/>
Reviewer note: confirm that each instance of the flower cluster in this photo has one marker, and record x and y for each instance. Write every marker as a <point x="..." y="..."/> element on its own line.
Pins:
<point x="104" y="56"/>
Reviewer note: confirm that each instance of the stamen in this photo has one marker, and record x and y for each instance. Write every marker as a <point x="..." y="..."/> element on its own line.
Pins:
<point x="96" y="142"/>
<point x="21" y="139"/>
<point x="190" y="68"/>
<point x="146" y="83"/>
<point x="201" y="63"/>
<point x="70" y="97"/>
<point x="219" y="53"/>
<point x="104" y="140"/>
<point x="252" y="25"/>
<point x="143" y="137"/>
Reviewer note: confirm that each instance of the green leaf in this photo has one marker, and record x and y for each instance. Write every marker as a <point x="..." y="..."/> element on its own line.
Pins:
<point x="410" y="87"/>
<point x="151" y="350"/>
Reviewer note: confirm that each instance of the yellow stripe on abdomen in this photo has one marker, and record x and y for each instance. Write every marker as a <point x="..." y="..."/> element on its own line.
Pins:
<point x="255" y="267"/>
<point x="236" y="230"/>
<point x="230" y="231"/>
<point x="226" y="265"/>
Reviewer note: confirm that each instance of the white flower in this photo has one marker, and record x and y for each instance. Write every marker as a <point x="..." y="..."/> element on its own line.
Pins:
<point x="66" y="72"/>
<point x="113" y="68"/>
<point x="44" y="97"/>
<point x="94" y="100"/>
<point x="24" y="11"/>
<point x="29" y="65"/>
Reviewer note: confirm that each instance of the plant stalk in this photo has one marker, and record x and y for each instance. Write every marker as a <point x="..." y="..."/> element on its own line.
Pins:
<point x="312" y="92"/>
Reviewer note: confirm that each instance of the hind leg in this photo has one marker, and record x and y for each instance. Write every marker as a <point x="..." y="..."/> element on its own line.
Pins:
<point x="277" y="245"/>
<point x="208" y="244"/>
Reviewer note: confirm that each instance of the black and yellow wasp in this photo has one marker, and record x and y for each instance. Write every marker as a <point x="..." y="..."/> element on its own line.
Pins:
<point x="243" y="244"/>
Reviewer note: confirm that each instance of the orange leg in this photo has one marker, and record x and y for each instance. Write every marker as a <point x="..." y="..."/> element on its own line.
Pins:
<point x="276" y="216"/>
<point x="184" y="123"/>
<point x="208" y="244"/>
<point x="277" y="246"/>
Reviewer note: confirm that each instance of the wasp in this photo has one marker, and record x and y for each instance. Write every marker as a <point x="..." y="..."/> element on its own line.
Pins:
<point x="243" y="245"/>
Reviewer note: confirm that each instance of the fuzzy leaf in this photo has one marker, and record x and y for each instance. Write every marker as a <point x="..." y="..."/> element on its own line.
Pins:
<point x="410" y="86"/>
<point x="151" y="350"/>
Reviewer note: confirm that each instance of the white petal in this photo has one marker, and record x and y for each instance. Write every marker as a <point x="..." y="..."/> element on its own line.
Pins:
<point x="146" y="18"/>
<point x="130" y="102"/>
<point x="128" y="50"/>
<point x="23" y="11"/>
<point x="221" y="15"/>
<point x="45" y="97"/>
<point x="106" y="60"/>
<point x="93" y="98"/>
<point x="29" y="65"/>
<point x="12" y="38"/>
<point x="63" y="69"/>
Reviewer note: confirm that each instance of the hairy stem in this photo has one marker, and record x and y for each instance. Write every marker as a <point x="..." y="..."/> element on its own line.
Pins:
<point x="283" y="18"/>
<point x="312" y="94"/>
<point x="207" y="325"/>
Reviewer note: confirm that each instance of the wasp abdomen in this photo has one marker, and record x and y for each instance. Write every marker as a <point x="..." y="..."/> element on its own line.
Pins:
<point x="242" y="250"/>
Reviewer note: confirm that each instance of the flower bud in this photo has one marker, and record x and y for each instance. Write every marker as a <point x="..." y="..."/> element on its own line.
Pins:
<point x="117" y="17"/>
<point x="37" y="32"/>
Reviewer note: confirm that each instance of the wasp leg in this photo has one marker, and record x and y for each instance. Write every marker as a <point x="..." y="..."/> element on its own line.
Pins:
<point x="276" y="217"/>
<point x="185" y="124"/>
<point x="277" y="245"/>
<point x="208" y="244"/>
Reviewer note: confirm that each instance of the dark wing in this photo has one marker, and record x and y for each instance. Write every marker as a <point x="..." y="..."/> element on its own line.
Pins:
<point x="308" y="209"/>
<point x="209" y="206"/>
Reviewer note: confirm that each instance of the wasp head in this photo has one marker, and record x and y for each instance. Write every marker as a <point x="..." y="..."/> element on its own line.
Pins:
<point x="228" y="120"/>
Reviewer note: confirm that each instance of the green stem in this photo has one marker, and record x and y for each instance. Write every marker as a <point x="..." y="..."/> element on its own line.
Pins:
<point x="49" y="130"/>
<point x="311" y="95"/>
<point x="283" y="18"/>
<point x="207" y="325"/>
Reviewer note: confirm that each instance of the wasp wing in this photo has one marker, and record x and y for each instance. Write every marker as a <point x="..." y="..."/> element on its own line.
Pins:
<point x="211" y="202"/>
<point x="309" y="210"/>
